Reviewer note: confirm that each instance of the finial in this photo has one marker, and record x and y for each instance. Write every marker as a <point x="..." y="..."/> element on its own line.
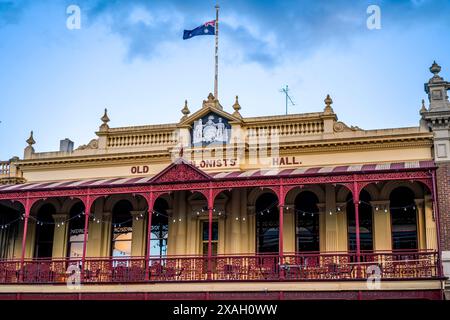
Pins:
<point x="424" y="108"/>
<point x="105" y="120"/>
<point x="237" y="107"/>
<point x="185" y="111"/>
<point x="328" y="102"/>
<point x="211" y="102"/>
<point x="30" y="140"/>
<point x="105" y="117"/>
<point x="435" y="69"/>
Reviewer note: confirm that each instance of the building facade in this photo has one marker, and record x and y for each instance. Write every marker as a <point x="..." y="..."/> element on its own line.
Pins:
<point x="220" y="206"/>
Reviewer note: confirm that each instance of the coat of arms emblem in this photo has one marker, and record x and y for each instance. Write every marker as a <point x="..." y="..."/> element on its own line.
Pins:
<point x="214" y="130"/>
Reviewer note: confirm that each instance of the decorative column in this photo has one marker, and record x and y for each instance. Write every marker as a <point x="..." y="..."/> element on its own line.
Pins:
<point x="235" y="223"/>
<point x="357" y="231"/>
<point x="289" y="229"/>
<point x="382" y="233"/>
<point x="60" y="236"/>
<point x="99" y="234"/>
<point x="421" y="232"/>
<point x="87" y="210"/>
<point x="355" y="192"/>
<point x="281" y="222"/>
<point x="430" y="224"/>
<point x="138" y="238"/>
<point x="180" y="213"/>
<point x="322" y="226"/>
<point x="210" y="221"/>
<point x="150" y="203"/>
<point x="27" y="206"/>
<point x="281" y="202"/>
<point x="105" y="236"/>
<point x="342" y="226"/>
<point x="251" y="227"/>
<point x="331" y="222"/>
<point x="172" y="232"/>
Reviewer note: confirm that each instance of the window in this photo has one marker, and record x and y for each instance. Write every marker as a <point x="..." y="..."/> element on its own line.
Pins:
<point x="9" y="220"/>
<point x="214" y="237"/>
<point x="365" y="223"/>
<point x="267" y="224"/>
<point x="44" y="232"/>
<point x="404" y="219"/>
<point x="76" y="231"/>
<point x="122" y="232"/>
<point x="307" y="222"/>
<point x="160" y="231"/>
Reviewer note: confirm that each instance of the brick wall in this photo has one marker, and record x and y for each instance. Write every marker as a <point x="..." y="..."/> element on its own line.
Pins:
<point x="443" y="189"/>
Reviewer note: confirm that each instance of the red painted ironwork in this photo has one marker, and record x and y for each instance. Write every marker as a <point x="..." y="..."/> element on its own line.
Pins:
<point x="281" y="198"/>
<point x="251" y="295"/>
<point x="182" y="176"/>
<point x="356" y="191"/>
<point x="210" y="223"/>
<point x="150" y="203"/>
<point x="423" y="176"/>
<point x="27" y="203"/>
<point x="180" y="171"/>
<point x="402" y="265"/>
<point x="24" y="236"/>
<point x="87" y="210"/>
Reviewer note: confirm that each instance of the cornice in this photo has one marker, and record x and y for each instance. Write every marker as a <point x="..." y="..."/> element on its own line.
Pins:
<point x="320" y="145"/>
<point x="299" y="148"/>
<point x="91" y="161"/>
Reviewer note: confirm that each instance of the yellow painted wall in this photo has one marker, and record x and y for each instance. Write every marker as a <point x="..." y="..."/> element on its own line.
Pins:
<point x="307" y="159"/>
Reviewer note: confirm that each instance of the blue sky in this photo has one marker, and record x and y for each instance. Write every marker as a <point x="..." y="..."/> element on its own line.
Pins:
<point x="129" y="56"/>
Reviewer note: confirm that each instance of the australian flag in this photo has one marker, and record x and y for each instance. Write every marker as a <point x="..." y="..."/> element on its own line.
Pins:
<point x="206" y="29"/>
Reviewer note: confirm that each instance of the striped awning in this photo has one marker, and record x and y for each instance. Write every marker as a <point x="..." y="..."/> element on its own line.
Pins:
<point x="282" y="172"/>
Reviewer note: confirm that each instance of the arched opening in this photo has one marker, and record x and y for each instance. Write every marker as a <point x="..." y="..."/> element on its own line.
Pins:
<point x="307" y="222"/>
<point x="45" y="230"/>
<point x="76" y="231"/>
<point x="267" y="223"/>
<point x="403" y="219"/>
<point x="10" y="217"/>
<point x="365" y="222"/>
<point x="160" y="228"/>
<point x="122" y="229"/>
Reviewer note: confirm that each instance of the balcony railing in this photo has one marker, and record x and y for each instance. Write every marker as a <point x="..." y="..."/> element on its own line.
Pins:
<point x="290" y="267"/>
<point x="4" y="169"/>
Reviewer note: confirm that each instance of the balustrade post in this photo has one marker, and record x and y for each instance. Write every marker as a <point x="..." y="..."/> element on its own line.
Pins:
<point x="281" y="232"/>
<point x="210" y="223"/>
<point x="27" y="206"/>
<point x="358" y="241"/>
<point x="150" y="203"/>
<point x="87" y="210"/>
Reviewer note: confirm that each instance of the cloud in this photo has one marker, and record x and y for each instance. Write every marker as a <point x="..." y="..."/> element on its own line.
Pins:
<point x="10" y="11"/>
<point x="261" y="31"/>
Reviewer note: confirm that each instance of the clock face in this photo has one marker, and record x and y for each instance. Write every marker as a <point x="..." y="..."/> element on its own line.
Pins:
<point x="209" y="133"/>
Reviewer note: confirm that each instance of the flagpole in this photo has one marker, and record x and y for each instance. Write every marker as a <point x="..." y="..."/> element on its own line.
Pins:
<point x="216" y="74"/>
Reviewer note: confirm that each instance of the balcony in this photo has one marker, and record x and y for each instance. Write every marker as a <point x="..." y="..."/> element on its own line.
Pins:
<point x="289" y="267"/>
<point x="9" y="174"/>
